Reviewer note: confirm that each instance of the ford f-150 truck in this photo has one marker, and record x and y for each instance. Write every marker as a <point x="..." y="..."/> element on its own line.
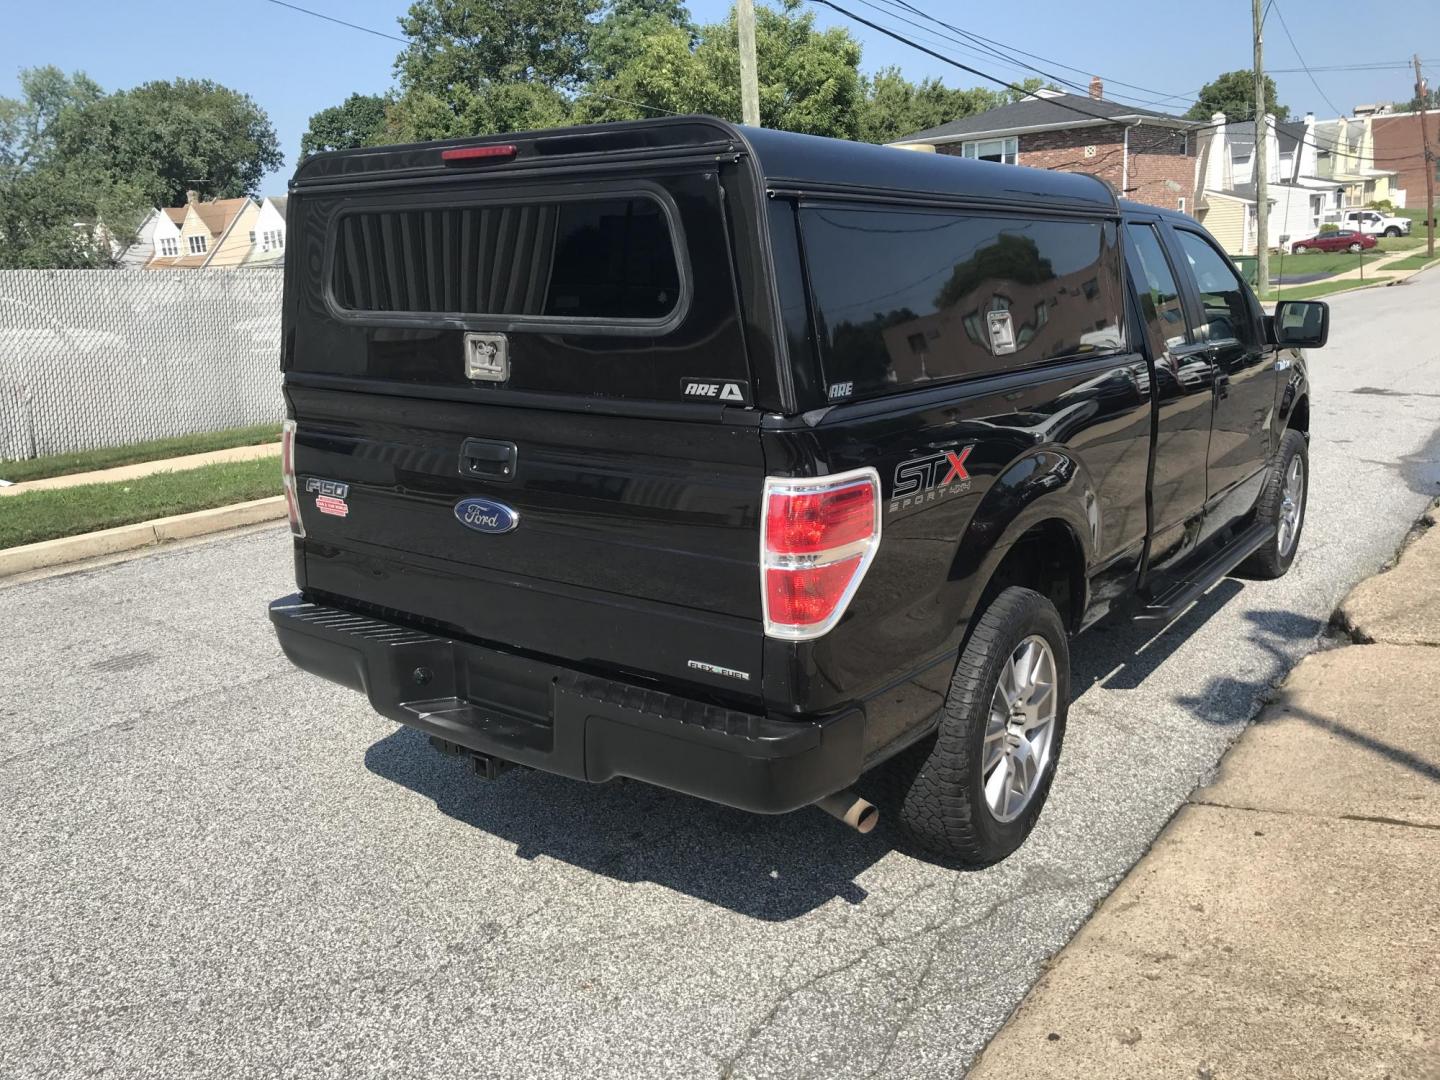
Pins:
<point x="739" y="461"/>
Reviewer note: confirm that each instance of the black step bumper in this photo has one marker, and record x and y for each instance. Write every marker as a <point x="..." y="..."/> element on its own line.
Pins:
<point x="549" y="717"/>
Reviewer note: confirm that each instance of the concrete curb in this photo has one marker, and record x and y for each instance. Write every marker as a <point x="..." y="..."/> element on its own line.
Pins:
<point x="68" y="549"/>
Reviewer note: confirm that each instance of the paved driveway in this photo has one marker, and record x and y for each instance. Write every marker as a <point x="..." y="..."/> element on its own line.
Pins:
<point x="211" y="865"/>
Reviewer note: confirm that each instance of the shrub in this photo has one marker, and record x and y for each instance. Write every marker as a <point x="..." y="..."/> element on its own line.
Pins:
<point x="1385" y="206"/>
<point x="1329" y="227"/>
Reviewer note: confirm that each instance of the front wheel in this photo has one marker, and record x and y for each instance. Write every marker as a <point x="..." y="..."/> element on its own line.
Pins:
<point x="1392" y="231"/>
<point x="1299" y="249"/>
<point x="979" y="792"/>
<point x="1282" y="504"/>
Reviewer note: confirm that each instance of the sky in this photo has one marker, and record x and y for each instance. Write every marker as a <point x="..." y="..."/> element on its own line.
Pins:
<point x="293" y="65"/>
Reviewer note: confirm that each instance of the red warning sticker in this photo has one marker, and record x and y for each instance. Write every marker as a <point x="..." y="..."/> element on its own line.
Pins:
<point x="329" y="504"/>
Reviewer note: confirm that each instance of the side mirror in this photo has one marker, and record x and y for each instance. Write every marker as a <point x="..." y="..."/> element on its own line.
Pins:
<point x="1302" y="324"/>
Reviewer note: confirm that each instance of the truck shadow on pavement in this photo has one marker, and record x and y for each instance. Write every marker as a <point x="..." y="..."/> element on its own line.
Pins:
<point x="770" y="868"/>
<point x="777" y="868"/>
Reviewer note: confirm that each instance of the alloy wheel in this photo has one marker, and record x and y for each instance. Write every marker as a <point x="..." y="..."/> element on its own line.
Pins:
<point x="1292" y="501"/>
<point x="1021" y="730"/>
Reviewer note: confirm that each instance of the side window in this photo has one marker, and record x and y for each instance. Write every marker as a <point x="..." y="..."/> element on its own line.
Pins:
<point x="907" y="296"/>
<point x="1163" y="312"/>
<point x="1224" y="300"/>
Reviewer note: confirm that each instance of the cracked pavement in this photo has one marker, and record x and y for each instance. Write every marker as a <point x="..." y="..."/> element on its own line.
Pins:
<point x="214" y="865"/>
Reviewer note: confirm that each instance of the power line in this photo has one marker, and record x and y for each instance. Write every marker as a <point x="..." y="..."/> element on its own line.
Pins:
<point x="993" y="47"/>
<point x="339" y="22"/>
<point x="1300" y="57"/>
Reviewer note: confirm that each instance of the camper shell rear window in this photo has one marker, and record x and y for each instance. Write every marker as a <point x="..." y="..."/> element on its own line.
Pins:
<point x="605" y="259"/>
<point x="907" y="296"/>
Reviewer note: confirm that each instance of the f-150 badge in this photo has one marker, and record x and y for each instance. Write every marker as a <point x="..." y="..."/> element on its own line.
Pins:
<point x="329" y="495"/>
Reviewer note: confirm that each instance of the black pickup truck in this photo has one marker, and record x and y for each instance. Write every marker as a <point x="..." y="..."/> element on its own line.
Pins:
<point x="738" y="461"/>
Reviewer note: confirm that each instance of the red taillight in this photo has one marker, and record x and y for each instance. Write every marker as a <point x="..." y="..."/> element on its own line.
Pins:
<point x="816" y="543"/>
<point x="287" y="477"/>
<point x="503" y="152"/>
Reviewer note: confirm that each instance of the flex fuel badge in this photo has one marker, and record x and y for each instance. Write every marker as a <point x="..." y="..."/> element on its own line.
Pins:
<point x="329" y="496"/>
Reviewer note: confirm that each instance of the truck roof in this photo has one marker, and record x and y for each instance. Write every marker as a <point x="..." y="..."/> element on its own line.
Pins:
<point x="785" y="161"/>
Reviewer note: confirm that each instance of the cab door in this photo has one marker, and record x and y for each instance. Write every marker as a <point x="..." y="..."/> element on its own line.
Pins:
<point x="1182" y="382"/>
<point x="1225" y="323"/>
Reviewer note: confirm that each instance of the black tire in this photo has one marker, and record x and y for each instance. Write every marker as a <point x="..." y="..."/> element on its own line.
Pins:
<point x="1275" y="558"/>
<point x="943" y="808"/>
<point x="1299" y="249"/>
<point x="1392" y="231"/>
<point x="1355" y="249"/>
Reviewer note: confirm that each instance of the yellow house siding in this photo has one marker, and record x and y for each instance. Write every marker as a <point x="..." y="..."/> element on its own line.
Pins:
<point x="1226" y="221"/>
<point x="231" y="249"/>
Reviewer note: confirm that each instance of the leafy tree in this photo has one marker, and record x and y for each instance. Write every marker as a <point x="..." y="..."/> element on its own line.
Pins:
<point x="168" y="137"/>
<point x="893" y="106"/>
<point x="809" y="79"/>
<point x="51" y="210"/>
<point x="1233" y="93"/>
<point x="480" y="66"/>
<point x="358" y="121"/>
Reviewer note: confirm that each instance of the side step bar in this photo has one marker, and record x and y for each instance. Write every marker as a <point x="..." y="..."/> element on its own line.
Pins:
<point x="1184" y="593"/>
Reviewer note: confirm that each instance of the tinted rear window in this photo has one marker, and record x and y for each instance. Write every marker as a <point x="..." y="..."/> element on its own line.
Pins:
<point x="903" y="296"/>
<point x="604" y="259"/>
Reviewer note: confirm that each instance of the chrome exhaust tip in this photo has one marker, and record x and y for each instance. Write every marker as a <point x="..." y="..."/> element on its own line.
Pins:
<point x="848" y="807"/>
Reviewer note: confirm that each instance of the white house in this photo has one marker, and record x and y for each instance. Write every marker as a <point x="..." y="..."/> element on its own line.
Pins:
<point x="1300" y="200"/>
<point x="268" y="248"/>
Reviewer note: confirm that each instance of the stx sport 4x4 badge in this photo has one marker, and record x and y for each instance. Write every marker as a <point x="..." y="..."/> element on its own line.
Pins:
<point x="930" y="478"/>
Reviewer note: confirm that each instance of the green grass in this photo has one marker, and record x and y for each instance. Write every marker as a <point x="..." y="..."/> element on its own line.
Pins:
<point x="1401" y="243"/>
<point x="1323" y="288"/>
<point x="111" y="456"/>
<point x="45" y="515"/>
<point x="1315" y="262"/>
<point x="1412" y="262"/>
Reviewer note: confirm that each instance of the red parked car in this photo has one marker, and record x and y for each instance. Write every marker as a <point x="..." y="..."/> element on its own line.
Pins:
<point x="1344" y="240"/>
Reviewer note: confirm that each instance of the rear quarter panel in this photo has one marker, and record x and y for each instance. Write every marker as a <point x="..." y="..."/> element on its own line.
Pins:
<point x="1070" y="441"/>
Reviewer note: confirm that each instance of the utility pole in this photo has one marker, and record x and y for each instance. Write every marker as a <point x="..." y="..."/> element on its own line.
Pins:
<point x="1430" y="210"/>
<point x="749" y="79"/>
<point x="1262" y="187"/>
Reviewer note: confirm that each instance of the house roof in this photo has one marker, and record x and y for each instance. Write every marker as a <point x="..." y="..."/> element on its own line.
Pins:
<point x="218" y="216"/>
<point x="279" y="202"/>
<point x="176" y="214"/>
<point x="1038" y="111"/>
<point x="1241" y="137"/>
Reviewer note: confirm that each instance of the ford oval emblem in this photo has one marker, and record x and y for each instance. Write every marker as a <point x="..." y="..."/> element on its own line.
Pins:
<point x="486" y="515"/>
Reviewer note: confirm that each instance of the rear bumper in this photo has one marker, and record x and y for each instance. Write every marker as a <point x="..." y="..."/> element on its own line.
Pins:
<point x="549" y="717"/>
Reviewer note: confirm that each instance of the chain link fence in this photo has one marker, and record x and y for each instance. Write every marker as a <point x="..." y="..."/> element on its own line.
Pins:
<point x="92" y="358"/>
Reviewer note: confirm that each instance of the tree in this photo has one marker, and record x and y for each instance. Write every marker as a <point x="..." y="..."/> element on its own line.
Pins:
<point x="1233" y="93"/>
<point x="168" y="137"/>
<point x="893" y="107"/>
<point x="51" y="210"/>
<point x="809" y="79"/>
<point x="358" y="121"/>
<point x="478" y="66"/>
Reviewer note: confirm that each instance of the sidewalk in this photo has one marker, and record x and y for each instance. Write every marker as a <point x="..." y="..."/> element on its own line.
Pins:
<point x="144" y="468"/>
<point x="1287" y="921"/>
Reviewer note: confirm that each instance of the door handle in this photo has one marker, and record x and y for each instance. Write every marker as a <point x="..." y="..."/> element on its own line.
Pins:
<point x="490" y="459"/>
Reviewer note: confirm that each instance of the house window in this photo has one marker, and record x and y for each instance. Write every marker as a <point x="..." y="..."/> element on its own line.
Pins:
<point x="198" y="244"/>
<point x="1181" y="204"/>
<point x="169" y="246"/>
<point x="252" y="237"/>
<point x="272" y="239"/>
<point x="1005" y="151"/>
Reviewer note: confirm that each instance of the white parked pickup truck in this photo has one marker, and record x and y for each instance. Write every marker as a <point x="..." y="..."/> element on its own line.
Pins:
<point x="1374" y="223"/>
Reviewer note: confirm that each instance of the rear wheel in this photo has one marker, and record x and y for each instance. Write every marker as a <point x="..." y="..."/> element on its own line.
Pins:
<point x="979" y="791"/>
<point x="1355" y="248"/>
<point x="1282" y="504"/>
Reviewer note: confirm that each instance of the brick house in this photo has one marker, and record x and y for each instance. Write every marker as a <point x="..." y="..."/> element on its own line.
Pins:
<point x="1146" y="156"/>
<point x="1395" y="141"/>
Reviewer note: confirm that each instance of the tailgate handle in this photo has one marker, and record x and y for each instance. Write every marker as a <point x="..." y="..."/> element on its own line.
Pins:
<point x="488" y="458"/>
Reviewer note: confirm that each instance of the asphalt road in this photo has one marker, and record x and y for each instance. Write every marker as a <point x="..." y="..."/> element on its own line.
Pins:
<point x="212" y="865"/>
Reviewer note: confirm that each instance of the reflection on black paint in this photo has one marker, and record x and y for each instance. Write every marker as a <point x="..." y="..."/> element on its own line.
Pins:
<point x="883" y="323"/>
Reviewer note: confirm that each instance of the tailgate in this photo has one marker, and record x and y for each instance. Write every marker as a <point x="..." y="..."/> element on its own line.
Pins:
<point x="590" y="490"/>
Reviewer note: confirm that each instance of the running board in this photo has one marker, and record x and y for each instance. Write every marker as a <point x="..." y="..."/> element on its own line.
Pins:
<point x="1184" y="593"/>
